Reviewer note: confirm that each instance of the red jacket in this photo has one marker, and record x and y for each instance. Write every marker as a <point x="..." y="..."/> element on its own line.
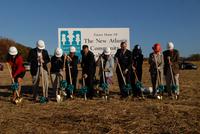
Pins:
<point x="17" y="65"/>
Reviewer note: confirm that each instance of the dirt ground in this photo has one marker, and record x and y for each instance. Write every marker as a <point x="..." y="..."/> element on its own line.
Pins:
<point x="98" y="116"/>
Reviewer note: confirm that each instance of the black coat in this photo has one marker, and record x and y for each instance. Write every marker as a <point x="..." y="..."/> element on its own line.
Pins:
<point x="56" y="64"/>
<point x="137" y="59"/>
<point x="125" y="60"/>
<point x="88" y="64"/>
<point x="32" y="59"/>
<point x="74" y="66"/>
<point x="174" y="57"/>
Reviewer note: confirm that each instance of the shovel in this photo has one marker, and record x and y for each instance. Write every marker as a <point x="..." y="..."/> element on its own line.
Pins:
<point x="104" y="85"/>
<point x="63" y="85"/>
<point x="43" y="98"/>
<point x="138" y="84"/>
<point x="127" y="87"/>
<point x="174" y="87"/>
<point x="160" y="87"/>
<point x="70" y="87"/>
<point x="14" y="86"/>
<point x="84" y="90"/>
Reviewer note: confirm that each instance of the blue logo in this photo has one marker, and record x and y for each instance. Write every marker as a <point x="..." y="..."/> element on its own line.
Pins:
<point x="70" y="38"/>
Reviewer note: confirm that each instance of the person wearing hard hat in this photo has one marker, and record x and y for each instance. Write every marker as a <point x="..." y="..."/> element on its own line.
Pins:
<point x="123" y="58"/>
<point x="15" y="60"/>
<point x="156" y="62"/>
<point x="88" y="65"/>
<point x="137" y="62"/>
<point x="72" y="60"/>
<point x="57" y="63"/>
<point x="106" y="66"/>
<point x="171" y="58"/>
<point x="38" y="59"/>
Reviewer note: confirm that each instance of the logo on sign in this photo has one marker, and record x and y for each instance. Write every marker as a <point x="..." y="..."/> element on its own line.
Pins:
<point x="70" y="38"/>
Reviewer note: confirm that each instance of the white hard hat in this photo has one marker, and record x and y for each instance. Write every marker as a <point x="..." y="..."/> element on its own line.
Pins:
<point x="58" y="52"/>
<point x="107" y="51"/>
<point x="40" y="44"/>
<point x="13" y="51"/>
<point x="170" y="45"/>
<point x="72" y="49"/>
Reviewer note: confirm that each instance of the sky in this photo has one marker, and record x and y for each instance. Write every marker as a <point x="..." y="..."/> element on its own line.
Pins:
<point x="150" y="21"/>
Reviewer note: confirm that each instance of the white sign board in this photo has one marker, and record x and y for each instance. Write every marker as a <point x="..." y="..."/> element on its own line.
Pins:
<point x="96" y="38"/>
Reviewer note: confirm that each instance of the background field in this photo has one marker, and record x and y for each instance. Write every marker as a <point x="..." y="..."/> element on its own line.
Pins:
<point x="98" y="116"/>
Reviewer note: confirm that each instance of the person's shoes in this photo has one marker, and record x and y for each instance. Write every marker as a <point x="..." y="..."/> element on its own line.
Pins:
<point x="36" y="99"/>
<point x="71" y="96"/>
<point x="177" y="97"/>
<point x="47" y="99"/>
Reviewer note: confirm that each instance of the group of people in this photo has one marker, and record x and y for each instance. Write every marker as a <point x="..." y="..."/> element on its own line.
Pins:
<point x="64" y="68"/>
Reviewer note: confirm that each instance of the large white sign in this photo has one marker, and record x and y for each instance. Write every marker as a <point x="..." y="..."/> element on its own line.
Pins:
<point x="96" y="38"/>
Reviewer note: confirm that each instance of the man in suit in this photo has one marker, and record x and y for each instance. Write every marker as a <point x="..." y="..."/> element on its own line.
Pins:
<point x="38" y="59"/>
<point x="88" y="69"/>
<point x="171" y="58"/>
<point x="124" y="58"/>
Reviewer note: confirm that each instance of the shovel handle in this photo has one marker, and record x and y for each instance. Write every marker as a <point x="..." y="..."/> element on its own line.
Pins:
<point x="70" y="75"/>
<point x="85" y="95"/>
<point x="135" y="73"/>
<point x="120" y="69"/>
<point x="42" y="77"/>
<point x="83" y="81"/>
<point x="170" y="67"/>
<point x="102" y="70"/>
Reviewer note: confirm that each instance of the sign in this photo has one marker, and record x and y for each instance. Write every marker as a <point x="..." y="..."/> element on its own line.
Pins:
<point x="96" y="38"/>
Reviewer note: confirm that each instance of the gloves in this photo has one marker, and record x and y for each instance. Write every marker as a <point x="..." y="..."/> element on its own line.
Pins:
<point x="68" y="58"/>
<point x="85" y="76"/>
<point x="125" y="71"/>
<point x="133" y="68"/>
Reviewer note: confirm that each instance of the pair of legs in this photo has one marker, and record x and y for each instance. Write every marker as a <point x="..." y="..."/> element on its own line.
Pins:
<point x="18" y="79"/>
<point x="56" y="78"/>
<point x="36" y="81"/>
<point x="89" y="83"/>
<point x="155" y="82"/>
<point x="169" y="81"/>
<point x="121" y="82"/>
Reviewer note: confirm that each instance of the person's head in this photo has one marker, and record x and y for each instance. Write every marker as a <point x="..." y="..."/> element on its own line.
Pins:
<point x="123" y="45"/>
<point x="107" y="51"/>
<point x="85" y="49"/>
<point x="58" y="52"/>
<point x="40" y="45"/>
<point x="72" y="50"/>
<point x="170" y="46"/>
<point x="137" y="49"/>
<point x="157" y="48"/>
<point x="13" y="51"/>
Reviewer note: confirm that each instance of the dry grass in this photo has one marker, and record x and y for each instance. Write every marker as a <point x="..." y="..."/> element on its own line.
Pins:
<point x="98" y="116"/>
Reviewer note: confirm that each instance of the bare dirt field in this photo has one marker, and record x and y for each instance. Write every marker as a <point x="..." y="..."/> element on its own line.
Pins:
<point x="99" y="116"/>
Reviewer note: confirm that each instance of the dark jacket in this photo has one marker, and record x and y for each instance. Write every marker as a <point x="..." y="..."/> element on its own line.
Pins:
<point x="74" y="66"/>
<point x="137" y="59"/>
<point x="174" y="57"/>
<point x="88" y="64"/>
<point x="32" y="59"/>
<point x="125" y="60"/>
<point x="56" y="64"/>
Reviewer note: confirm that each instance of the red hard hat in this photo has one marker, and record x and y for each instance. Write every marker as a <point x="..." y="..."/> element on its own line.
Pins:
<point x="157" y="47"/>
